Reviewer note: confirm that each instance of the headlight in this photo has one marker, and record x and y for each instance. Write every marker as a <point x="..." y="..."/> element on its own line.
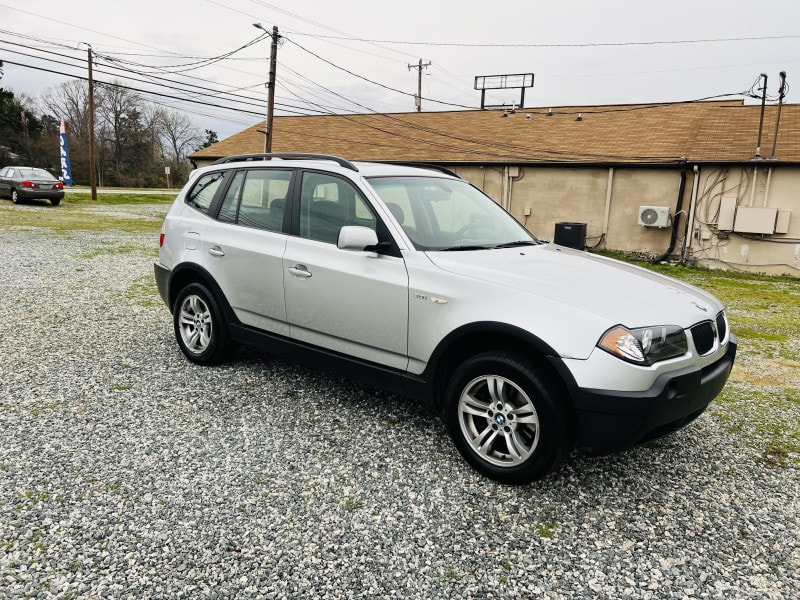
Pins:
<point x="646" y="345"/>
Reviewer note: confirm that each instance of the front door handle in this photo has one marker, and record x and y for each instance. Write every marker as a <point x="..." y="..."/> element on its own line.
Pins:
<point x="216" y="251"/>
<point x="300" y="271"/>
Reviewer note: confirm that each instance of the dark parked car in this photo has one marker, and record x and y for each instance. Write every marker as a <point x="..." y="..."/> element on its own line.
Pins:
<point x="27" y="183"/>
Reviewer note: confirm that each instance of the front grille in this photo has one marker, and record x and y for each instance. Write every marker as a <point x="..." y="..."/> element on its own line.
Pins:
<point x="722" y="327"/>
<point x="704" y="336"/>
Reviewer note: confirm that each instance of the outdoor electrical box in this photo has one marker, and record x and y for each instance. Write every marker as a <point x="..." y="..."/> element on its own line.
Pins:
<point x="571" y="235"/>
<point x="755" y="219"/>
<point x="782" y="224"/>
<point x="727" y="213"/>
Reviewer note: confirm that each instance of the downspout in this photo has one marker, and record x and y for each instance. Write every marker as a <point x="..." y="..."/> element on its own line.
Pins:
<point x="678" y="207"/>
<point x="766" y="189"/>
<point x="754" y="184"/>
<point x="510" y="175"/>
<point x="608" y="203"/>
<point x="506" y="186"/>
<point x="687" y="237"/>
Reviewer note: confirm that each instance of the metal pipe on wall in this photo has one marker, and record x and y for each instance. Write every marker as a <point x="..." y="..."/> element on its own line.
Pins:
<point x="607" y="214"/>
<point x="678" y="209"/>
<point x="686" y="246"/>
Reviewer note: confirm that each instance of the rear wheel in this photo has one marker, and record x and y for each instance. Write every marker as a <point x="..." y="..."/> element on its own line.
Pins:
<point x="14" y="196"/>
<point x="507" y="418"/>
<point x="199" y="325"/>
<point x="55" y="201"/>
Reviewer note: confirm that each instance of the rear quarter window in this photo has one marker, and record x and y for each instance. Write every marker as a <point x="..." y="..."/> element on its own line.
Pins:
<point x="202" y="193"/>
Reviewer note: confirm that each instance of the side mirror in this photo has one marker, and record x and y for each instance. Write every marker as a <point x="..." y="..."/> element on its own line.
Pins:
<point x="360" y="239"/>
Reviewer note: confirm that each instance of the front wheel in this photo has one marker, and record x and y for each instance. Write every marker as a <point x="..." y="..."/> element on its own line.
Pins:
<point x="199" y="325"/>
<point x="507" y="418"/>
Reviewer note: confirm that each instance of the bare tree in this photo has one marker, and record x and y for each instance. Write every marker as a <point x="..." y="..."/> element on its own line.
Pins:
<point x="179" y="136"/>
<point x="134" y="139"/>
<point x="70" y="100"/>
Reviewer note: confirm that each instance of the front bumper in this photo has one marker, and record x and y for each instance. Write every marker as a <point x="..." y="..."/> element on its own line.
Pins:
<point x="611" y="421"/>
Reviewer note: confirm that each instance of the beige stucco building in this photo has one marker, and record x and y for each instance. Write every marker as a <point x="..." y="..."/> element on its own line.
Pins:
<point x="687" y="181"/>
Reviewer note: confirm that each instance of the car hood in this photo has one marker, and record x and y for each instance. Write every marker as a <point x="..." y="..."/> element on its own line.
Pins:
<point x="610" y="289"/>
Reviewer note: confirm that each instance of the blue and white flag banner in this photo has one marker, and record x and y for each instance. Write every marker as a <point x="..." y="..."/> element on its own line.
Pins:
<point x="66" y="172"/>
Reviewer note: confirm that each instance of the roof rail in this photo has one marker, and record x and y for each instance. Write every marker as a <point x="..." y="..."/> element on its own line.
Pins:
<point x="287" y="156"/>
<point x="424" y="165"/>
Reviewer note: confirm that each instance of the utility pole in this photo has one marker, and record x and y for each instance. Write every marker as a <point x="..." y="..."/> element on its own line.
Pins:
<point x="92" y="174"/>
<point x="419" y="67"/>
<point x="273" y="67"/>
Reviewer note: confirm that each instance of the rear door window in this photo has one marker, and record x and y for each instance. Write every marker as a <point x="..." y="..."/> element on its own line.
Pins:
<point x="256" y="198"/>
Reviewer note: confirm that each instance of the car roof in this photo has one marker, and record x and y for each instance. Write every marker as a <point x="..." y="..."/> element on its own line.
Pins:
<point x="24" y="167"/>
<point x="332" y="163"/>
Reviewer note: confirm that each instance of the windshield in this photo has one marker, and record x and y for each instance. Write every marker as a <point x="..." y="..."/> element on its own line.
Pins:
<point x="30" y="173"/>
<point x="449" y="214"/>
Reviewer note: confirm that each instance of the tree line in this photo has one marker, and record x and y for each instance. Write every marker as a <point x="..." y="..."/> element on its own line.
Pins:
<point x="134" y="139"/>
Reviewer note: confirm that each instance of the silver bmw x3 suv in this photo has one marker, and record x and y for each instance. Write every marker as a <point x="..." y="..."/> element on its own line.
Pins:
<point x="413" y="280"/>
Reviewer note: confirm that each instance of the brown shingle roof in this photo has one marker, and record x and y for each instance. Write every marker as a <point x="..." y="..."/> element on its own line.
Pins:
<point x="702" y="131"/>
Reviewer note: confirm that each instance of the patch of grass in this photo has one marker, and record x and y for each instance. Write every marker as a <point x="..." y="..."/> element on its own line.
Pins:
<point x="110" y="249"/>
<point x="763" y="418"/>
<point x="353" y="504"/>
<point x="40" y="409"/>
<point x="35" y="497"/>
<point x="757" y="334"/>
<point x="144" y="198"/>
<point x="143" y="292"/>
<point x="77" y="213"/>
<point x="450" y="575"/>
<point x="546" y="528"/>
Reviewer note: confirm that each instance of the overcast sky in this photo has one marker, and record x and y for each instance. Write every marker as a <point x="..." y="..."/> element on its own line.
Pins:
<point x="351" y="55"/>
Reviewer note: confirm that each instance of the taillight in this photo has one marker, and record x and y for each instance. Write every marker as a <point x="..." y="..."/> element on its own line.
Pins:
<point x="59" y="186"/>
<point x="161" y="240"/>
<point x="28" y="184"/>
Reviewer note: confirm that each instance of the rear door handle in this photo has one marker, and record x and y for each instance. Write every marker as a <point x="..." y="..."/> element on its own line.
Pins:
<point x="300" y="271"/>
<point x="216" y="251"/>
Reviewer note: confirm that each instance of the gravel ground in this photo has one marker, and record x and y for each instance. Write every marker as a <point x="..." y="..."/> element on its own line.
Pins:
<point x="127" y="472"/>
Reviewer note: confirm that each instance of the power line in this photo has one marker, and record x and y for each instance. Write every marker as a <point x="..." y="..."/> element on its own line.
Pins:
<point x="148" y="92"/>
<point x="349" y="72"/>
<point x="559" y="45"/>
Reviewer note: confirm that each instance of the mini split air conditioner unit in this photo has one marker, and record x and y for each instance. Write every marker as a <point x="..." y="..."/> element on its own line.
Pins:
<point x="654" y="216"/>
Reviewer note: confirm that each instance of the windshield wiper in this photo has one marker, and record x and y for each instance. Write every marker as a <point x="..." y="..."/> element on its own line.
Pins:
<point x="515" y="244"/>
<point x="462" y="248"/>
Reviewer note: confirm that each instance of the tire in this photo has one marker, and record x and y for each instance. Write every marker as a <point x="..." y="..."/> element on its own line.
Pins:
<point x="200" y="328"/>
<point x="55" y="201"/>
<point x="507" y="418"/>
<point x="14" y="196"/>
